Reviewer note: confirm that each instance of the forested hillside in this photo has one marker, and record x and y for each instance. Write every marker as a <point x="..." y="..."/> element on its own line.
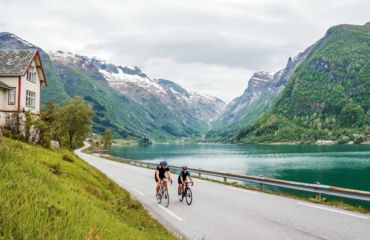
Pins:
<point x="327" y="97"/>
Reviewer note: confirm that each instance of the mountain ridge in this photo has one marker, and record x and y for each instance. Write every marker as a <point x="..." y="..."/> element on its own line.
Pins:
<point x="191" y="109"/>
<point x="327" y="96"/>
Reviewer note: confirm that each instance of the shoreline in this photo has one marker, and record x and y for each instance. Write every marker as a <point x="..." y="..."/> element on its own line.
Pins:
<point x="284" y="192"/>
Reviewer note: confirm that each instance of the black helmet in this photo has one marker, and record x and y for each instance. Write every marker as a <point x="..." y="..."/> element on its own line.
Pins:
<point x="163" y="163"/>
<point x="184" y="168"/>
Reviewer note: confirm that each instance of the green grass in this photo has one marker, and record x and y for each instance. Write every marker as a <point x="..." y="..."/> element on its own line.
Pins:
<point x="47" y="194"/>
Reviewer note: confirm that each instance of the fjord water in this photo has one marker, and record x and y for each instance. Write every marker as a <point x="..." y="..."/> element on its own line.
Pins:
<point x="338" y="165"/>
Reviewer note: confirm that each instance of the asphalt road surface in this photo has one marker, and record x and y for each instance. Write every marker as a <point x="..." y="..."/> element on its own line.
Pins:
<point x="223" y="212"/>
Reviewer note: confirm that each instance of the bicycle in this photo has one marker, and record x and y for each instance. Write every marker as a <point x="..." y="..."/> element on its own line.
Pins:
<point x="186" y="193"/>
<point x="163" y="194"/>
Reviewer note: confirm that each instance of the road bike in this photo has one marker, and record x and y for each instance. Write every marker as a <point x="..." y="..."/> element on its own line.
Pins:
<point x="186" y="193"/>
<point x="163" y="196"/>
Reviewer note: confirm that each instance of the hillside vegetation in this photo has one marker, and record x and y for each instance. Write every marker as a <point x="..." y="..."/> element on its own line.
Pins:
<point x="47" y="194"/>
<point x="327" y="97"/>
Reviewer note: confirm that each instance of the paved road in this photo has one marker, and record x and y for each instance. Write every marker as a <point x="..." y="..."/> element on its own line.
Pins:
<point x="223" y="212"/>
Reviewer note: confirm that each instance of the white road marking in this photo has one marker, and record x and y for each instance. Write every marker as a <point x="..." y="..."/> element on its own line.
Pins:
<point x="171" y="213"/>
<point x="243" y="190"/>
<point x="142" y="194"/>
<point x="110" y="175"/>
<point x="331" y="210"/>
<point x="119" y="180"/>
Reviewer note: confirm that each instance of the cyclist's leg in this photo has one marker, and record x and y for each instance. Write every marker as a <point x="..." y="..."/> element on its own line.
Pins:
<point x="157" y="186"/>
<point x="180" y="186"/>
<point x="165" y="184"/>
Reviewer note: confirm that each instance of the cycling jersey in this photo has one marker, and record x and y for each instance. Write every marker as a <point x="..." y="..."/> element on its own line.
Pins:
<point x="162" y="173"/>
<point x="183" y="176"/>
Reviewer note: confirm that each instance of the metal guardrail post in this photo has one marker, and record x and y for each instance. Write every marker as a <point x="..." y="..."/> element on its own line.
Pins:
<point x="225" y="180"/>
<point x="318" y="195"/>
<point x="199" y="174"/>
<point x="262" y="189"/>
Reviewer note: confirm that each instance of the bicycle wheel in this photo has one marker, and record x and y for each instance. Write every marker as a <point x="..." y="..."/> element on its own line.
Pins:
<point x="166" y="198"/>
<point x="189" y="196"/>
<point x="159" y="197"/>
<point x="181" y="196"/>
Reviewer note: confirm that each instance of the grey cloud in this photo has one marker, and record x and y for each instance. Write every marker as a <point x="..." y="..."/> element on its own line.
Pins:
<point x="198" y="43"/>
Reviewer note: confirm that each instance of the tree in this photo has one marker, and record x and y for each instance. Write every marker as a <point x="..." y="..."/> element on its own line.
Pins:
<point x="51" y="118"/>
<point x="351" y="114"/>
<point x="75" y="121"/>
<point x="107" y="139"/>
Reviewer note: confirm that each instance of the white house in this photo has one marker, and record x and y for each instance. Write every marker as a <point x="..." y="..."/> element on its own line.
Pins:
<point x="21" y="80"/>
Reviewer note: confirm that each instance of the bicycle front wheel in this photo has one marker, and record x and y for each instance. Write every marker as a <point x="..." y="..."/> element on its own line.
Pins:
<point x="189" y="196"/>
<point x="159" y="198"/>
<point x="166" y="198"/>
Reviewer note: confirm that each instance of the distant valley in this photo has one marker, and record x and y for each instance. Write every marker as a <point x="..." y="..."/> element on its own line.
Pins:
<point x="322" y="93"/>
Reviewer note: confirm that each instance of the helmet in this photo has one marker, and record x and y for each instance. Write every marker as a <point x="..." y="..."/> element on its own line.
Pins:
<point x="163" y="163"/>
<point x="184" y="168"/>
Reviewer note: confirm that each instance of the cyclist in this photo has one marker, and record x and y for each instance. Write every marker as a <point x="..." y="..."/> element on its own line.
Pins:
<point x="161" y="173"/>
<point x="184" y="174"/>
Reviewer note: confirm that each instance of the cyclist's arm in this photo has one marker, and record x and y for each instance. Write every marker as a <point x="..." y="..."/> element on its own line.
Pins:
<point x="169" y="175"/>
<point x="191" y="179"/>
<point x="157" y="174"/>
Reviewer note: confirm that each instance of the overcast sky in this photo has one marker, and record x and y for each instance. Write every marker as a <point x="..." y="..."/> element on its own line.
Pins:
<point x="212" y="46"/>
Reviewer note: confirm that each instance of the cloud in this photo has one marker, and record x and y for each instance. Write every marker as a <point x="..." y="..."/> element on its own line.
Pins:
<point x="211" y="46"/>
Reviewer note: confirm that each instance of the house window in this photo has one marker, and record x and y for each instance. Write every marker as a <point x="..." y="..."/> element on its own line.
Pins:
<point x="31" y="74"/>
<point x="11" y="96"/>
<point x="30" y="99"/>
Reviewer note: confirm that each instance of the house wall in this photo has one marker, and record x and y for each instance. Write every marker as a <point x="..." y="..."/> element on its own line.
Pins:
<point x="11" y="82"/>
<point x="2" y="99"/>
<point x="31" y="86"/>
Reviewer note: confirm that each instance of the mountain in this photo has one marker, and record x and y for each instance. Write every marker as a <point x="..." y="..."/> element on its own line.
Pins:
<point x="262" y="90"/>
<point x="171" y="108"/>
<point x="59" y="90"/>
<point x="190" y="107"/>
<point x="326" y="97"/>
<point x="129" y="103"/>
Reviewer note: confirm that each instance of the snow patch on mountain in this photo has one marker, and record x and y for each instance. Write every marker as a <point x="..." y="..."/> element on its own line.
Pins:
<point x="133" y="83"/>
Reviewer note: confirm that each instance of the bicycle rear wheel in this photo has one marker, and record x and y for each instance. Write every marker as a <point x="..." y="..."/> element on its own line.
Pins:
<point x="166" y="198"/>
<point x="189" y="196"/>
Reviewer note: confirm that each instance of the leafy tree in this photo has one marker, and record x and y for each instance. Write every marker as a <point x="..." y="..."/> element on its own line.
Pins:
<point x="107" y="139"/>
<point x="75" y="121"/>
<point x="351" y="114"/>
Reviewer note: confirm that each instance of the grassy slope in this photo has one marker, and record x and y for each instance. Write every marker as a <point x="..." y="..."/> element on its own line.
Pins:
<point x="38" y="201"/>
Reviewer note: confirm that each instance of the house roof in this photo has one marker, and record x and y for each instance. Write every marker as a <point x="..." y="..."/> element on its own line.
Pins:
<point x="15" y="62"/>
<point x="3" y="85"/>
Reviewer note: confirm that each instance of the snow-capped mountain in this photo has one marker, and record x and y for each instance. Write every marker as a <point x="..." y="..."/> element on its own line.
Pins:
<point x="132" y="82"/>
<point x="164" y="99"/>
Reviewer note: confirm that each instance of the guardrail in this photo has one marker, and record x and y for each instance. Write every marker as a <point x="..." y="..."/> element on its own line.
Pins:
<point x="317" y="188"/>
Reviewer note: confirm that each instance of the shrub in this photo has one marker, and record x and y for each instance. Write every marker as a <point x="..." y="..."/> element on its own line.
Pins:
<point x="68" y="158"/>
<point x="55" y="169"/>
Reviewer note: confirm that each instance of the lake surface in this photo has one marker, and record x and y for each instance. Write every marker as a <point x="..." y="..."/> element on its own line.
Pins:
<point x="338" y="165"/>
